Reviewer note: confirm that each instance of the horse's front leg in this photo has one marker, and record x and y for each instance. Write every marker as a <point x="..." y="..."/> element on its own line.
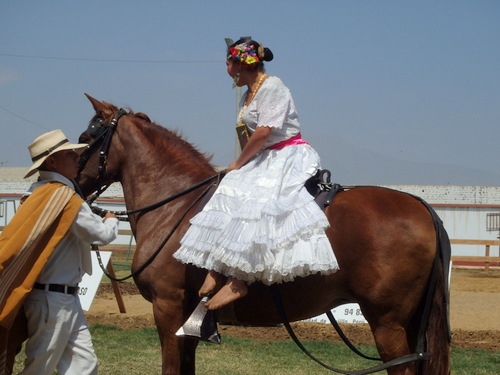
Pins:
<point x="178" y="354"/>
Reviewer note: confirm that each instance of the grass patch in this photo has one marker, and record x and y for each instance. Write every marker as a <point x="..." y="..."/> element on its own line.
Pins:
<point x="474" y="361"/>
<point x="138" y="352"/>
<point x="246" y="357"/>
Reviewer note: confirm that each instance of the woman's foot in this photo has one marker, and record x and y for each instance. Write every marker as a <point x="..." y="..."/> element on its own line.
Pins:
<point x="233" y="290"/>
<point x="209" y="284"/>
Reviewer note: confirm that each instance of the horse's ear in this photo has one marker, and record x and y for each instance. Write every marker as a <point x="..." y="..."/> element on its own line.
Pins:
<point x="100" y="108"/>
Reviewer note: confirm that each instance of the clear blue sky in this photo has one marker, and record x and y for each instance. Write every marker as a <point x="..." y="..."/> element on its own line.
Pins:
<point x="389" y="92"/>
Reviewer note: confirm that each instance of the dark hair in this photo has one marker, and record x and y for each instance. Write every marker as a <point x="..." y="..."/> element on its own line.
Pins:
<point x="263" y="53"/>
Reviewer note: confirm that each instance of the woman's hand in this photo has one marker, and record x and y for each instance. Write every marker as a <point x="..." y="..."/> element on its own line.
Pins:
<point x="255" y="143"/>
<point x="232" y="166"/>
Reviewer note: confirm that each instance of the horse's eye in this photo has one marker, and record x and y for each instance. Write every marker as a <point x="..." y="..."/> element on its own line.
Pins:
<point x="84" y="138"/>
<point x="94" y="127"/>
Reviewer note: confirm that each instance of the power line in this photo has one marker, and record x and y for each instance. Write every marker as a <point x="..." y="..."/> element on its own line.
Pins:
<point x="113" y="60"/>
<point x="23" y="118"/>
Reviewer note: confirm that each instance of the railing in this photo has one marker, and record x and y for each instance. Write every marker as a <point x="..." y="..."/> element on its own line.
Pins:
<point x="486" y="259"/>
<point x="122" y="247"/>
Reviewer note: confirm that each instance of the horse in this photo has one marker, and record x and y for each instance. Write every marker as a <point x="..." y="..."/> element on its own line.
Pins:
<point x="386" y="243"/>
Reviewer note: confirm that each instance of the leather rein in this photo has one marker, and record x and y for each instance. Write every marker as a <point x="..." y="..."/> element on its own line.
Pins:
<point x="99" y="130"/>
<point x="104" y="131"/>
<point x="442" y="254"/>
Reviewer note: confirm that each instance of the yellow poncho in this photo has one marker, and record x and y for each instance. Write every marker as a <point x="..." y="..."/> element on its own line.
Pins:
<point x="29" y="239"/>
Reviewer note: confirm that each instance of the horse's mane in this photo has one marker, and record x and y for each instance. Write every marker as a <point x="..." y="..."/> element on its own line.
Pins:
<point x="162" y="138"/>
<point x="173" y="140"/>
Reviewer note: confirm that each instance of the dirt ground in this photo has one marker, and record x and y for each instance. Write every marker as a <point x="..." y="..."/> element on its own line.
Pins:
<point x="475" y="303"/>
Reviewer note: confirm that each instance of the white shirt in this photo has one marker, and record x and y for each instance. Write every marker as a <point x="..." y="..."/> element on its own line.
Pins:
<point x="272" y="106"/>
<point x="71" y="257"/>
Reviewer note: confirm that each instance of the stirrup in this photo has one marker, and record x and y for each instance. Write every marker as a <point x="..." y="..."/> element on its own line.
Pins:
<point x="201" y="325"/>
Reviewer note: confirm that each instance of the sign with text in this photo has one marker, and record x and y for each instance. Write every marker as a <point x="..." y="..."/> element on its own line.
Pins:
<point x="90" y="283"/>
<point x="348" y="313"/>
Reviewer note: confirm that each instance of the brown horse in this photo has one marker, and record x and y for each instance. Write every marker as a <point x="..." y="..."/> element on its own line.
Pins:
<point x="385" y="241"/>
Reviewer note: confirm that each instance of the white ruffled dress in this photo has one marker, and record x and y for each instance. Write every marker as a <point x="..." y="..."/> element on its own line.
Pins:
<point x="262" y="224"/>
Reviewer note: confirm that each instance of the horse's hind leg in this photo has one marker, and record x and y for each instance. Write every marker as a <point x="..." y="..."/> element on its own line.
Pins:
<point x="391" y="339"/>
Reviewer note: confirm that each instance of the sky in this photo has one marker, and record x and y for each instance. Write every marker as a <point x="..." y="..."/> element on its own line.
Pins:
<point x="389" y="92"/>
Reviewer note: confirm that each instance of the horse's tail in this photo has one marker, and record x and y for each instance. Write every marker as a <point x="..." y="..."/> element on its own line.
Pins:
<point x="438" y="333"/>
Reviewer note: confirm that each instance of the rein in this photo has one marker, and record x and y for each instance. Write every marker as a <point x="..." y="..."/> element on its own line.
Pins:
<point x="155" y="205"/>
<point x="169" y="235"/>
<point x="104" y="131"/>
<point x="419" y="355"/>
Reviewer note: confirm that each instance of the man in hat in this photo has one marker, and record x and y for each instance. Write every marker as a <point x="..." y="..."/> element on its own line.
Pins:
<point x="44" y="252"/>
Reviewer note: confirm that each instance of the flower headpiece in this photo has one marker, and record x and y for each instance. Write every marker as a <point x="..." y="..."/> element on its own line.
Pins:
<point x="245" y="53"/>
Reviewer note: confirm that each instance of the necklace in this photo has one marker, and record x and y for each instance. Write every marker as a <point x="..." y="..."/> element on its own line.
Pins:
<point x="254" y="92"/>
<point x="242" y="130"/>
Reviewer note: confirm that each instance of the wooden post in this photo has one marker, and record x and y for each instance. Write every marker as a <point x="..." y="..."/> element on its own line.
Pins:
<point x="116" y="288"/>
<point x="487" y="254"/>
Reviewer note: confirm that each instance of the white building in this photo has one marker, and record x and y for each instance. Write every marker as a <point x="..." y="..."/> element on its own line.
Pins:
<point x="468" y="212"/>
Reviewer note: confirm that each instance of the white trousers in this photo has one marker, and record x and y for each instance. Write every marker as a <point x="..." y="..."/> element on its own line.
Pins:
<point x="59" y="337"/>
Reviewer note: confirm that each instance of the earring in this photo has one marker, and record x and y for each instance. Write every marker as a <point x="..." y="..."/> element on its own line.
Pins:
<point x="236" y="79"/>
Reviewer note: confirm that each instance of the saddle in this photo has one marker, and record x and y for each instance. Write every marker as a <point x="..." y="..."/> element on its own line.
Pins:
<point x="322" y="189"/>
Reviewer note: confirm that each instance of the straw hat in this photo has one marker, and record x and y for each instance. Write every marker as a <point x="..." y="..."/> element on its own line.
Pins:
<point x="48" y="144"/>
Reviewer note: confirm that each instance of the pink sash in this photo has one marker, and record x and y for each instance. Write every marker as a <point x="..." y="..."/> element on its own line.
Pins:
<point x="296" y="140"/>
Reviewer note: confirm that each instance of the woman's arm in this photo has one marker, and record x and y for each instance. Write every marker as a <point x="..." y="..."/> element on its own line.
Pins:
<point x="255" y="143"/>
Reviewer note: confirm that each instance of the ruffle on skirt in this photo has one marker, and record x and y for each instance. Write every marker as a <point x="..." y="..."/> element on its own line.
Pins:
<point x="262" y="224"/>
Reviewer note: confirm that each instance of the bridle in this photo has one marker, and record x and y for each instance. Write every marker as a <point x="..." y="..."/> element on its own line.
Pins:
<point x="100" y="131"/>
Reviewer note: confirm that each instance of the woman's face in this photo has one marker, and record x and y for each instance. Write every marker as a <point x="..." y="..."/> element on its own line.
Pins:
<point x="233" y="68"/>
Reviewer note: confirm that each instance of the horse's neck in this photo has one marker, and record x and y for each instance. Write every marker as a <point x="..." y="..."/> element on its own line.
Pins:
<point x="151" y="173"/>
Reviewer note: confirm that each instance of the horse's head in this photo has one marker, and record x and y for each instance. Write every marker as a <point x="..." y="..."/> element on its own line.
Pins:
<point x="99" y="164"/>
<point x="127" y="141"/>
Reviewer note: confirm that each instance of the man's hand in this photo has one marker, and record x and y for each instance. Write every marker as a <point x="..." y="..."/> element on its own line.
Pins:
<point x="108" y="215"/>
